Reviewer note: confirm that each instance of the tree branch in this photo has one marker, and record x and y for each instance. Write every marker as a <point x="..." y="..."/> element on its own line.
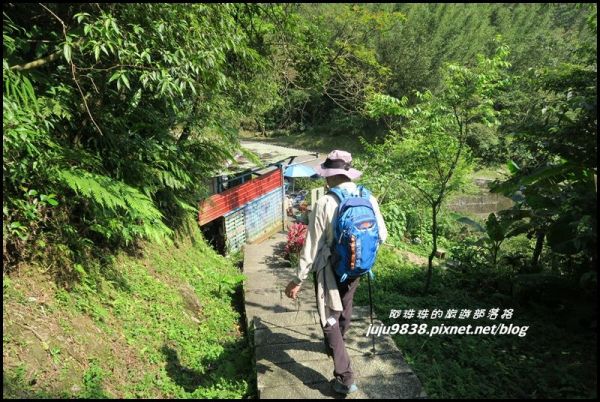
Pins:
<point x="427" y="196"/>
<point x="57" y="17"/>
<point x="73" y="68"/>
<point x="37" y="63"/>
<point x="43" y="60"/>
<point x="118" y="66"/>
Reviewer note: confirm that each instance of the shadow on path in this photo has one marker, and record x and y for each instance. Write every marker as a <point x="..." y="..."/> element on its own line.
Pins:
<point x="280" y="357"/>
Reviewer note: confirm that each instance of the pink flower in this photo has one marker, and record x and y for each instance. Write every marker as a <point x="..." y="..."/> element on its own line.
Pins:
<point x="295" y="239"/>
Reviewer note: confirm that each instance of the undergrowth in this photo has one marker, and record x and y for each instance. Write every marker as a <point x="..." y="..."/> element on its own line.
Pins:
<point x="163" y="325"/>
<point x="555" y="359"/>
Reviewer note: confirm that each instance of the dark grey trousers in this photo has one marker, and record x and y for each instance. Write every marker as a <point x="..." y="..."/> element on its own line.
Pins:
<point x="334" y="334"/>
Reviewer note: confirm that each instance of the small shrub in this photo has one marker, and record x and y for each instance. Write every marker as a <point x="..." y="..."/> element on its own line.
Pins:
<point x="295" y="240"/>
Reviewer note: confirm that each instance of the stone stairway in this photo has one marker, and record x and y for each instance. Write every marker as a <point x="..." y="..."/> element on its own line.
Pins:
<point x="288" y="339"/>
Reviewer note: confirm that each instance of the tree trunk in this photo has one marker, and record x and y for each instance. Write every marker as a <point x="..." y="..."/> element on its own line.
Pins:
<point x="539" y="245"/>
<point x="433" y="249"/>
<point x="495" y="249"/>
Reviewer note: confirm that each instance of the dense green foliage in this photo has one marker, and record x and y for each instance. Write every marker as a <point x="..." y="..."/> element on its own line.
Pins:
<point x="554" y="359"/>
<point x="403" y="48"/>
<point x="554" y="177"/>
<point x="115" y="115"/>
<point x="330" y="66"/>
<point x="429" y="152"/>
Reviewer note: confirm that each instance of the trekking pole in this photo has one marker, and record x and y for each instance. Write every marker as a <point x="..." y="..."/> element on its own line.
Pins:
<point x="371" y="306"/>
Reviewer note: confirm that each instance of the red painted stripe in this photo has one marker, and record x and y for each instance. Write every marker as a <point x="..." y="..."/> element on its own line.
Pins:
<point x="234" y="202"/>
<point x="224" y="206"/>
<point x="219" y="204"/>
<point x="244" y="194"/>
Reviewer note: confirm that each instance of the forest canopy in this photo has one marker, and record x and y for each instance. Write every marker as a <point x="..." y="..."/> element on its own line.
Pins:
<point x="116" y="114"/>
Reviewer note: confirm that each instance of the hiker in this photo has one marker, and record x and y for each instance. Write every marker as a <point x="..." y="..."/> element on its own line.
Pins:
<point x="334" y="293"/>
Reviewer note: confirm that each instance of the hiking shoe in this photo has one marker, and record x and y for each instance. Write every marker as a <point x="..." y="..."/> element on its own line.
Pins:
<point x="343" y="389"/>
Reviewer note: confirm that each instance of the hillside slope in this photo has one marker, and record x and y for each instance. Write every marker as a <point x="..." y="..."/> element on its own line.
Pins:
<point x="160" y="325"/>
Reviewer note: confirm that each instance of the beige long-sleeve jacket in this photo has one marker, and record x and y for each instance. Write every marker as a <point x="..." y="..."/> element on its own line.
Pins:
<point x="317" y="250"/>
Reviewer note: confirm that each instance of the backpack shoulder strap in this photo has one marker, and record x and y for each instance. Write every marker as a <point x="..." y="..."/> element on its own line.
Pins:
<point x="341" y="194"/>
<point x="364" y="193"/>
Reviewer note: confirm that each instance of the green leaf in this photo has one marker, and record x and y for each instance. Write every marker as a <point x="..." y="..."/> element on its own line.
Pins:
<point x="115" y="76"/>
<point x="512" y="167"/>
<point x="49" y="199"/>
<point x="164" y="86"/>
<point x="79" y="268"/>
<point x="67" y="52"/>
<point x="554" y="172"/>
<point x="125" y="81"/>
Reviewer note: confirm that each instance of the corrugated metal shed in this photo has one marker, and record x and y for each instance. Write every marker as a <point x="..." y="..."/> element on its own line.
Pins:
<point x="250" y="210"/>
<point x="220" y="204"/>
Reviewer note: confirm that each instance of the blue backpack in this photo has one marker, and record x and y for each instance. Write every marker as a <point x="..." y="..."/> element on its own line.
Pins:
<point x="356" y="234"/>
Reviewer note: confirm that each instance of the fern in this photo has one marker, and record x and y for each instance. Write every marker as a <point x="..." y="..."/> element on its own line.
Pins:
<point x="185" y="206"/>
<point x="116" y="196"/>
<point x="99" y="189"/>
<point x="169" y="180"/>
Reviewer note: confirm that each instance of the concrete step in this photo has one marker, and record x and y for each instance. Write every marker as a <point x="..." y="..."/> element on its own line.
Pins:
<point x="289" y="348"/>
<point x="315" y="349"/>
<point x="286" y="323"/>
<point x="274" y="300"/>
<point x="305" y="316"/>
<point x="303" y="319"/>
<point x="270" y="264"/>
<point x="305" y="342"/>
<point x="266" y="301"/>
<point x="315" y="371"/>
<point x="257" y="255"/>
<point x="286" y="320"/>
<point x="284" y="335"/>
<point x="379" y="387"/>
<point x="268" y="280"/>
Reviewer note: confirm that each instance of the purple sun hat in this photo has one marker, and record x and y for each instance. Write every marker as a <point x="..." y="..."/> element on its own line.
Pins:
<point x="338" y="162"/>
